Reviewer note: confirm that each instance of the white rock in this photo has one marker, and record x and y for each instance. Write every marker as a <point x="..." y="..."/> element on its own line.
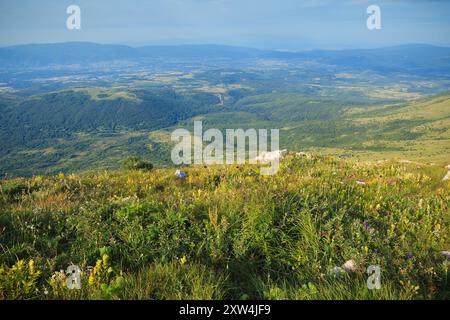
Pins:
<point x="180" y="174"/>
<point x="447" y="177"/>
<point x="349" y="266"/>
<point x="446" y="254"/>
<point x="271" y="156"/>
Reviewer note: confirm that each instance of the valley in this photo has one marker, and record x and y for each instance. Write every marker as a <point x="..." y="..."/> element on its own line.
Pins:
<point x="73" y="111"/>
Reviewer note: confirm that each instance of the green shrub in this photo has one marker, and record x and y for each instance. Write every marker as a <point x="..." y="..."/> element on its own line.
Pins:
<point x="135" y="163"/>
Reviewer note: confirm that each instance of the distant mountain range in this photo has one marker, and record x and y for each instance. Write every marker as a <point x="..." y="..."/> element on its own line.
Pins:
<point x="414" y="58"/>
<point x="39" y="55"/>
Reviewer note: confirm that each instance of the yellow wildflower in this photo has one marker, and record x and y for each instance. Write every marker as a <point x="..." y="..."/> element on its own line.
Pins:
<point x="20" y="264"/>
<point x="31" y="265"/>
<point x="91" y="279"/>
<point x="105" y="258"/>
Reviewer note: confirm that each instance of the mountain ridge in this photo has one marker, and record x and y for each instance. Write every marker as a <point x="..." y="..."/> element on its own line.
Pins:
<point x="39" y="55"/>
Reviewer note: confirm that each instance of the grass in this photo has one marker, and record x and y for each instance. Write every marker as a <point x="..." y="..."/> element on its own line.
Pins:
<point x="225" y="232"/>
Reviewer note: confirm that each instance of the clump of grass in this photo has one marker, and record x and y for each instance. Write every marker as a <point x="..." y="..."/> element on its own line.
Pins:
<point x="179" y="280"/>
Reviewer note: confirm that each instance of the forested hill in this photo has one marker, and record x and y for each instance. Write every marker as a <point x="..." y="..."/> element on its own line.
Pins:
<point x="95" y="128"/>
<point x="59" y="113"/>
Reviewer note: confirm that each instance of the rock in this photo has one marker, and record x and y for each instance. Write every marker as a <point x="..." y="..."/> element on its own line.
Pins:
<point x="180" y="174"/>
<point x="446" y="254"/>
<point x="447" y="177"/>
<point x="360" y="183"/>
<point x="349" y="266"/>
<point x="448" y="166"/>
<point x="271" y="156"/>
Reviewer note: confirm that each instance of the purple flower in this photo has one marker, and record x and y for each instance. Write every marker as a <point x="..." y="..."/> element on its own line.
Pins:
<point x="409" y="255"/>
<point x="366" y="225"/>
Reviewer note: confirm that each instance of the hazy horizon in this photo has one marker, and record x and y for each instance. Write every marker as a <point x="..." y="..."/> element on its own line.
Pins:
<point x="283" y="25"/>
<point x="222" y="45"/>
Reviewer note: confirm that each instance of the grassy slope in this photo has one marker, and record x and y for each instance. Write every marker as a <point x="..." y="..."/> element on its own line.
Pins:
<point x="418" y="130"/>
<point x="227" y="232"/>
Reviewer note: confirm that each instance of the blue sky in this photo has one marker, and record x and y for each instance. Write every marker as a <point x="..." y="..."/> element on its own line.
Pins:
<point x="280" y="24"/>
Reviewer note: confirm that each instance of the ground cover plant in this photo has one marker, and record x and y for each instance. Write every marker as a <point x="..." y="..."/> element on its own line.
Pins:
<point x="226" y="232"/>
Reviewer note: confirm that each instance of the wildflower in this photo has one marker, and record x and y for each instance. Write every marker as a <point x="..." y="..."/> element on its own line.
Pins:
<point x="366" y="225"/>
<point x="91" y="280"/>
<point x="360" y="183"/>
<point x="409" y="255"/>
<point x="183" y="260"/>
<point x="20" y="264"/>
<point x="31" y="265"/>
<point x="105" y="259"/>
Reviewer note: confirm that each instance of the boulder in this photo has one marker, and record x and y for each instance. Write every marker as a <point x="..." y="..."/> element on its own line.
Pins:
<point x="271" y="156"/>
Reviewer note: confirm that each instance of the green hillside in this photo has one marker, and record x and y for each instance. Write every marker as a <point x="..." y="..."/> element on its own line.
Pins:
<point x="415" y="130"/>
<point x="97" y="128"/>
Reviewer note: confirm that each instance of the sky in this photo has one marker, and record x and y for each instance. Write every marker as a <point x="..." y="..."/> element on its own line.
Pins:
<point x="268" y="24"/>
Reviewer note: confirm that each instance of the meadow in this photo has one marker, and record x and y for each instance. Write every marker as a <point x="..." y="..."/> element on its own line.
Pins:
<point x="225" y="232"/>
